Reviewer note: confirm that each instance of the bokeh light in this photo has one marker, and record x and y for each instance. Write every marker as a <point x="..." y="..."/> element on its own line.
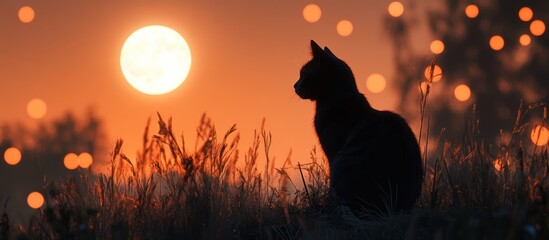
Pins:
<point x="71" y="161"/>
<point x="525" y="14"/>
<point x="498" y="164"/>
<point x="344" y="28"/>
<point x="35" y="200"/>
<point x="12" y="156"/>
<point x="376" y="83"/>
<point x="36" y="108"/>
<point x="437" y="46"/>
<point x="537" y="28"/>
<point x="423" y="87"/>
<point x="525" y="40"/>
<point x="539" y="135"/>
<point x="497" y="42"/>
<point x="462" y="92"/>
<point x="312" y="13"/>
<point x="437" y="73"/>
<point x="395" y="9"/>
<point x="471" y="11"/>
<point x="26" y="14"/>
<point x="85" y="160"/>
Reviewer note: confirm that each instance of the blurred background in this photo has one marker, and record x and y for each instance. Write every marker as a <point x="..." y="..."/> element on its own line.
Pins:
<point x="65" y="101"/>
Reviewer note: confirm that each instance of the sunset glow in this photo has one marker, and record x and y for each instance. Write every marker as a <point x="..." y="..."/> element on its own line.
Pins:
<point x="26" y="14"/>
<point x="437" y="47"/>
<point x="437" y="73"/>
<point x="36" y="108"/>
<point x="471" y="11"/>
<point x="71" y="161"/>
<point x="344" y="28"/>
<point x="525" y="40"/>
<point x="462" y="92"/>
<point x="35" y="200"/>
<point x="497" y="42"/>
<point x="12" y="156"/>
<point x="537" y="28"/>
<point x="312" y="13"/>
<point x="396" y="9"/>
<point x="525" y="14"/>
<point x="376" y="83"/>
<point x="155" y="60"/>
<point x="191" y="119"/>
<point x="539" y="135"/>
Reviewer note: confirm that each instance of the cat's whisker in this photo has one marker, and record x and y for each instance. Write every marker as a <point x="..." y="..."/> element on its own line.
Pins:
<point x="292" y="97"/>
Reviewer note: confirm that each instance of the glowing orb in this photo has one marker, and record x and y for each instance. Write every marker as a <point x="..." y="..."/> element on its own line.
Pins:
<point x="471" y="11"/>
<point x="462" y="92"/>
<point x="312" y="13"/>
<point x="537" y="28"/>
<point x="437" y="47"/>
<point x="525" y="40"/>
<point x="539" y="135"/>
<point x="437" y="73"/>
<point x="71" y="161"/>
<point x="395" y="9"/>
<point x="497" y="42"/>
<point x="498" y="164"/>
<point x="376" y="83"/>
<point x="423" y="87"/>
<point x="35" y="200"/>
<point x="12" y="156"/>
<point x="525" y="14"/>
<point x="36" y="108"/>
<point x="155" y="60"/>
<point x="344" y="28"/>
<point x="26" y="14"/>
<point x="85" y="160"/>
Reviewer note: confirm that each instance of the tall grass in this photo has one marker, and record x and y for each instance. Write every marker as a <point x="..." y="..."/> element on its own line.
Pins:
<point x="168" y="192"/>
<point x="215" y="192"/>
<point x="496" y="190"/>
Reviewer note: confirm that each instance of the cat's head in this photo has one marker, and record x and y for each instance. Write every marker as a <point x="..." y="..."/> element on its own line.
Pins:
<point x="324" y="76"/>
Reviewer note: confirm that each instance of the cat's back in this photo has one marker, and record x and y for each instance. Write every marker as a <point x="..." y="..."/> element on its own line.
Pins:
<point x="382" y="126"/>
<point x="390" y="123"/>
<point x="381" y="156"/>
<point x="384" y="136"/>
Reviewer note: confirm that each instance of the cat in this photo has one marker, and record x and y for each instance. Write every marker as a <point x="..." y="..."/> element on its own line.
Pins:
<point x="374" y="158"/>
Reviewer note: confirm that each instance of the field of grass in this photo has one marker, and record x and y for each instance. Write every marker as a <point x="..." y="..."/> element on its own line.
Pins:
<point x="215" y="192"/>
<point x="472" y="190"/>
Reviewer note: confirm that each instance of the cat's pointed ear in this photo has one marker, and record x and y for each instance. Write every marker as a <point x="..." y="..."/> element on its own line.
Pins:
<point x="316" y="50"/>
<point x="329" y="52"/>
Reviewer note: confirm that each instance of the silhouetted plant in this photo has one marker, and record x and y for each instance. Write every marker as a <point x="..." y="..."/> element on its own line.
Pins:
<point x="43" y="148"/>
<point x="171" y="192"/>
<point x="4" y="223"/>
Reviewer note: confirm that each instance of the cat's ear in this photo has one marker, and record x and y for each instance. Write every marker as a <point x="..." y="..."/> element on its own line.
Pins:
<point x="329" y="52"/>
<point x="316" y="50"/>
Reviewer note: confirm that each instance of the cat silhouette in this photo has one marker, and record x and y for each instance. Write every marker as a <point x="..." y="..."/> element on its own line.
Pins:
<point x="374" y="157"/>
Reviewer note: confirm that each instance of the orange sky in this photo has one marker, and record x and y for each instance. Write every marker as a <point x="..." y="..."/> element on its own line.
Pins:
<point x="245" y="59"/>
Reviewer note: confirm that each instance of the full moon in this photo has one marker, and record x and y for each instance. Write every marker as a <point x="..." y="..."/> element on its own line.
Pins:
<point x="155" y="59"/>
